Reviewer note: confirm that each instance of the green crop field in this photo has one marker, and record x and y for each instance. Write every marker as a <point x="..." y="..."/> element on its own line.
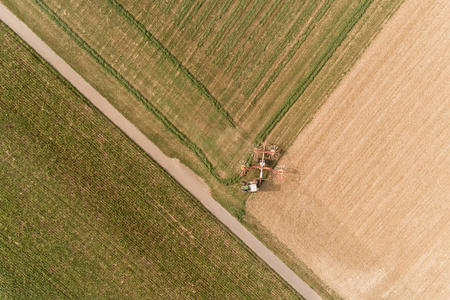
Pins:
<point x="84" y="213"/>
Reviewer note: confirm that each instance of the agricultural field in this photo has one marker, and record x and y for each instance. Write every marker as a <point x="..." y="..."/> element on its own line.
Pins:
<point x="205" y="80"/>
<point x="84" y="213"/>
<point x="367" y="207"/>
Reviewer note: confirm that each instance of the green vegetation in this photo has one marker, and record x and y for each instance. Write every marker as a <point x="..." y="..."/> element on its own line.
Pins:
<point x="84" y="213"/>
<point x="300" y="22"/>
<point x="130" y="18"/>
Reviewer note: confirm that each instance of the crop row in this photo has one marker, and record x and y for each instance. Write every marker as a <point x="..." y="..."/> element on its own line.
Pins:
<point x="241" y="28"/>
<point x="148" y="245"/>
<point x="259" y="44"/>
<point x="290" y="35"/>
<point x="50" y="122"/>
<point x="175" y="131"/>
<point x="24" y="274"/>
<point x="192" y="13"/>
<point x="236" y="14"/>
<point x="147" y="248"/>
<point x="293" y="50"/>
<point x="89" y="151"/>
<point x="363" y="6"/>
<point x="166" y="53"/>
<point x="222" y="10"/>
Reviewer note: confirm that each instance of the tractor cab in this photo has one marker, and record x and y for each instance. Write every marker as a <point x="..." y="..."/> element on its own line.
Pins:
<point x="250" y="186"/>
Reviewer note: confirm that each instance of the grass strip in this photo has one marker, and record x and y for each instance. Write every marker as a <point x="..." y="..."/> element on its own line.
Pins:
<point x="172" y="128"/>
<point x="293" y="50"/>
<point x="169" y="56"/>
<point x="237" y="34"/>
<point x="316" y="69"/>
<point x="305" y="15"/>
<point x="217" y="16"/>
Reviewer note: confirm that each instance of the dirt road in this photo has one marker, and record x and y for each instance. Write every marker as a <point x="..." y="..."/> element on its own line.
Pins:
<point x="182" y="174"/>
<point x="367" y="206"/>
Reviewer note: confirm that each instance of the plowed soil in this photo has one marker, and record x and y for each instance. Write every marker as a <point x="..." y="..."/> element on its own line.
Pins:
<point x="367" y="203"/>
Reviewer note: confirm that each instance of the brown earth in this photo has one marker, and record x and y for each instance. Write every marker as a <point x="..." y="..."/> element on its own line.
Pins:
<point x="367" y="204"/>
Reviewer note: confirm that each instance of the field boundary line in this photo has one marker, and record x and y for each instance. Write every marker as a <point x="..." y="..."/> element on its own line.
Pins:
<point x="166" y="122"/>
<point x="169" y="56"/>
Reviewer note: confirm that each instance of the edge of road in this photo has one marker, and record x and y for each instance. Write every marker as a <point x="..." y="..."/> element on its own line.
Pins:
<point x="183" y="175"/>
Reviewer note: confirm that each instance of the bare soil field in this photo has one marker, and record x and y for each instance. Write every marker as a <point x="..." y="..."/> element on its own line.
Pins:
<point x="367" y="205"/>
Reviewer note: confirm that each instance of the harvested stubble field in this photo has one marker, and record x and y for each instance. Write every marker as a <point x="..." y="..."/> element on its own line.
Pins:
<point x="367" y="207"/>
<point x="84" y="213"/>
<point x="206" y="79"/>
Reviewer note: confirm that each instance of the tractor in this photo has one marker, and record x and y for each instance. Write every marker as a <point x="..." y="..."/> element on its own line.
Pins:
<point x="249" y="186"/>
<point x="260" y="153"/>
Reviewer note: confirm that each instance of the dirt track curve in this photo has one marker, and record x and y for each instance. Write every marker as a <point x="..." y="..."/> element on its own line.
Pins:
<point x="187" y="178"/>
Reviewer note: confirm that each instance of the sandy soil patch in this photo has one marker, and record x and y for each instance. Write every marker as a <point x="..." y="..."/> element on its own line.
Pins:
<point x="368" y="204"/>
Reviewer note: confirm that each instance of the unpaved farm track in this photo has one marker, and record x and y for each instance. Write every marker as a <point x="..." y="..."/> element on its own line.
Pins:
<point x="367" y="206"/>
<point x="182" y="174"/>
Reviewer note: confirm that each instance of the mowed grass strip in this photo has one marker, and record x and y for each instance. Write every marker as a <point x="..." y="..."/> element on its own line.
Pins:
<point x="333" y="24"/>
<point x="85" y="213"/>
<point x="130" y="18"/>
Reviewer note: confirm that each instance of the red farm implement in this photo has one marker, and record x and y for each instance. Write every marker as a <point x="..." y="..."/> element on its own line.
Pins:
<point x="261" y="153"/>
